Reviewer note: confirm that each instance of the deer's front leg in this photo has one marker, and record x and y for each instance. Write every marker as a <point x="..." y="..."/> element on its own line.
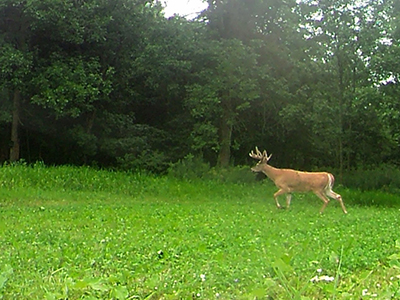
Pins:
<point x="323" y="198"/>
<point x="280" y="192"/>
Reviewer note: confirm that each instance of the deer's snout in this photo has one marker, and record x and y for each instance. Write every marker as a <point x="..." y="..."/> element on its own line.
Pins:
<point x="255" y="169"/>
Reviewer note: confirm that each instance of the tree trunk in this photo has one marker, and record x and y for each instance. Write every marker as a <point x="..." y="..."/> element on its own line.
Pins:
<point x="15" y="149"/>
<point x="89" y="125"/>
<point x="90" y="121"/>
<point x="225" y="139"/>
<point x="341" y="100"/>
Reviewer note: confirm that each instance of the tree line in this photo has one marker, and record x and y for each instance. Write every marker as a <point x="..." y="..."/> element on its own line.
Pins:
<point x="115" y="83"/>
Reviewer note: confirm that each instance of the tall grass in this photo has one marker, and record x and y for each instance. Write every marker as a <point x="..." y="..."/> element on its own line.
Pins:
<point x="79" y="233"/>
<point x="383" y="177"/>
<point x="66" y="178"/>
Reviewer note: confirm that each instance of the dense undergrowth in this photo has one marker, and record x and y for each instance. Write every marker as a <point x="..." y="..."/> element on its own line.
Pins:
<point x="80" y="233"/>
<point x="385" y="177"/>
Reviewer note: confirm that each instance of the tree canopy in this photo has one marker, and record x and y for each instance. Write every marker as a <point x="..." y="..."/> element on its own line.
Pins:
<point x="117" y="84"/>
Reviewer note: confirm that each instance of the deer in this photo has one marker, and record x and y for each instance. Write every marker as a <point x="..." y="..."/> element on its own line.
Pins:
<point x="289" y="181"/>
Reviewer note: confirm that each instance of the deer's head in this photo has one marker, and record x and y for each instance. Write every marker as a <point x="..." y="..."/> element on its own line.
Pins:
<point x="262" y="157"/>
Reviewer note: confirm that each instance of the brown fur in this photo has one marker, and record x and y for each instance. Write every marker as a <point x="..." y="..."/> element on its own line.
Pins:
<point x="289" y="181"/>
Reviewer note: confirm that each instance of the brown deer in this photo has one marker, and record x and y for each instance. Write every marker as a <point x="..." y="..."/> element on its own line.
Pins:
<point x="289" y="181"/>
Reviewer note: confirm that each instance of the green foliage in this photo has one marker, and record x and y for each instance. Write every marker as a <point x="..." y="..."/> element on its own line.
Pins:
<point x="153" y="161"/>
<point x="5" y="107"/>
<point x="189" y="168"/>
<point x="15" y="67"/>
<point x="134" y="146"/>
<point x="5" y="273"/>
<point x="69" y="232"/>
<point x="221" y="92"/>
<point x="70" y="86"/>
<point x="317" y="85"/>
<point x="383" y="178"/>
<point x="193" y="168"/>
<point x="238" y="174"/>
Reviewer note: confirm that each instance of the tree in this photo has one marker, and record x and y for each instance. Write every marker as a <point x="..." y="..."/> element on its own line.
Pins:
<point x="341" y="34"/>
<point x="385" y="69"/>
<point x="223" y="90"/>
<point x="116" y="83"/>
<point x="68" y="55"/>
<point x="15" y="60"/>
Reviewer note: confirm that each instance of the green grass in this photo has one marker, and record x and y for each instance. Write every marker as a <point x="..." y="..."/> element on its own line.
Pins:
<point x="80" y="233"/>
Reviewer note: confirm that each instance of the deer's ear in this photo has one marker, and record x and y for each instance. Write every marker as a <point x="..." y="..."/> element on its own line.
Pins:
<point x="269" y="157"/>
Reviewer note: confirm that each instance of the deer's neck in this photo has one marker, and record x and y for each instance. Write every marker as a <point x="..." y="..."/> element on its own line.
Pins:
<point x="271" y="172"/>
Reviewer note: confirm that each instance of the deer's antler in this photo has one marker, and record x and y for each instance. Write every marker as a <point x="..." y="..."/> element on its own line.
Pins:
<point x="254" y="155"/>
<point x="260" y="156"/>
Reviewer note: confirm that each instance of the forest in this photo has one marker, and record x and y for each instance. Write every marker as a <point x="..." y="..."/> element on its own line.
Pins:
<point x="116" y="84"/>
<point x="125" y="138"/>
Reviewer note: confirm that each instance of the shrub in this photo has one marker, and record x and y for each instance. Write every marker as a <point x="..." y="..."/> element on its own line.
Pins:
<point x="238" y="174"/>
<point x="192" y="167"/>
<point x="383" y="177"/>
<point x="189" y="168"/>
<point x="152" y="161"/>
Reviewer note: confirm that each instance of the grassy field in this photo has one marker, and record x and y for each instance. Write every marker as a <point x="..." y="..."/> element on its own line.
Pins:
<point x="79" y="233"/>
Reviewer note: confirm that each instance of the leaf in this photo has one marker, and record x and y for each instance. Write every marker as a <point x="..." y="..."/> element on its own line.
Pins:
<point x="395" y="256"/>
<point x="259" y="293"/>
<point x="51" y="296"/>
<point x="286" y="258"/>
<point x="397" y="244"/>
<point x="4" y="275"/>
<point x="282" y="266"/>
<point x="3" y="281"/>
<point x="268" y="282"/>
<point x="334" y="258"/>
<point x="95" y="283"/>
<point x="120" y="292"/>
<point x="91" y="297"/>
<point x="82" y="284"/>
<point x="99" y="285"/>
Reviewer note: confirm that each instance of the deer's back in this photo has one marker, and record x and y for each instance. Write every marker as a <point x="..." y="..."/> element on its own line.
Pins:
<point x="297" y="181"/>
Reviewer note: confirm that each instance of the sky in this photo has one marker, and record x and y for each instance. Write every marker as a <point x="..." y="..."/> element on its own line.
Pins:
<point x="187" y="8"/>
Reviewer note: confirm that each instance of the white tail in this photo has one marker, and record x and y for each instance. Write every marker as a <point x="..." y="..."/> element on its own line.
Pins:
<point x="289" y="181"/>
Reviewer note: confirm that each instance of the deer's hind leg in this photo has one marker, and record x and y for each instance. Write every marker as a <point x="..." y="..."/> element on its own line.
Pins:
<point x="337" y="197"/>
<point x="288" y="199"/>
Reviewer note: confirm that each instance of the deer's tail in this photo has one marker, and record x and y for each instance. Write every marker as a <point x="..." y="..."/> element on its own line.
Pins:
<point x="331" y="182"/>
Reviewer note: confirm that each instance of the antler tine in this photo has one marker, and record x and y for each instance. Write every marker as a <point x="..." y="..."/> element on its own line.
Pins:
<point x="266" y="156"/>
<point x="257" y="155"/>
<point x="258" y="152"/>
